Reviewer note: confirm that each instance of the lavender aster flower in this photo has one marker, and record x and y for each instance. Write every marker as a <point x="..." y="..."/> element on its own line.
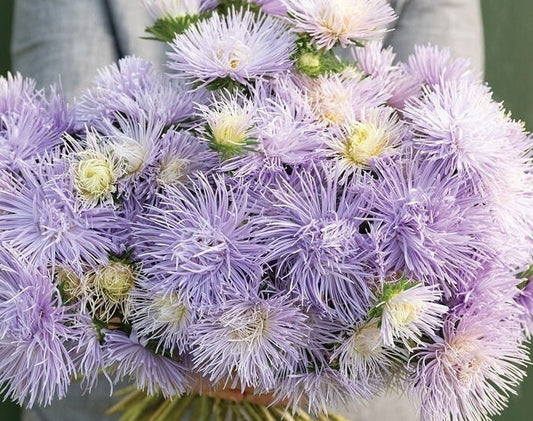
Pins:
<point x="30" y="123"/>
<point x="34" y="364"/>
<point x="239" y="46"/>
<point x="336" y="100"/>
<point x="250" y="342"/>
<point x="470" y="372"/>
<point x="86" y="350"/>
<point x="271" y="7"/>
<point x="312" y="232"/>
<point x="344" y="22"/>
<point x="434" y="66"/>
<point x="181" y="156"/>
<point x="201" y="240"/>
<point x="163" y="316"/>
<point x="377" y="62"/>
<point x="452" y="123"/>
<point x="364" y="357"/>
<point x="285" y="130"/>
<point x="132" y="87"/>
<point x="176" y="8"/>
<point x="320" y="391"/>
<point x="230" y="119"/>
<point x="357" y="144"/>
<point x="107" y="289"/>
<point x="41" y="218"/>
<point x="153" y="373"/>
<point x="427" y="223"/>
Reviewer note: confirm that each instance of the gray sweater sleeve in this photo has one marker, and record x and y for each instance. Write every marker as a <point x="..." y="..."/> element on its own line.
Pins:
<point x="70" y="40"/>
<point x="456" y="24"/>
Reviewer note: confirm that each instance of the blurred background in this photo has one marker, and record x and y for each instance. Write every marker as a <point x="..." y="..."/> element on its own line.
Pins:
<point x="508" y="70"/>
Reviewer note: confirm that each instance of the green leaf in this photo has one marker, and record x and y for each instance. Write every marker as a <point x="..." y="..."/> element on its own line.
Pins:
<point x="165" y="29"/>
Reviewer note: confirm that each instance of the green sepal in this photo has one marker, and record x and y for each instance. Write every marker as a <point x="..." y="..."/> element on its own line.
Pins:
<point x="225" y="83"/>
<point x="166" y="28"/>
<point x="312" y="61"/>
<point x="528" y="273"/>
<point x="225" y="6"/>
<point x="229" y="150"/>
<point x="389" y="291"/>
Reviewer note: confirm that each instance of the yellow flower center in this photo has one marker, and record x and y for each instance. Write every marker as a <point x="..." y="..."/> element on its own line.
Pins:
<point x="230" y="128"/>
<point x="402" y="313"/>
<point x="364" y="142"/>
<point x="115" y="280"/>
<point x="309" y="61"/>
<point x="94" y="178"/>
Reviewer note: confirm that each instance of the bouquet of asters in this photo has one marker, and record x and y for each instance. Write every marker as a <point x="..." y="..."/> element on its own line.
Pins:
<point x="285" y="221"/>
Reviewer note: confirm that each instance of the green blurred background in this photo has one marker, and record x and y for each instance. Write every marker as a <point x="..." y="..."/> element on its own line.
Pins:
<point x="509" y="71"/>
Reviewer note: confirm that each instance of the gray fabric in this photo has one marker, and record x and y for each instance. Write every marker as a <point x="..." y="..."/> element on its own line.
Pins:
<point x="75" y="37"/>
<point x="77" y="406"/>
<point x="456" y="24"/>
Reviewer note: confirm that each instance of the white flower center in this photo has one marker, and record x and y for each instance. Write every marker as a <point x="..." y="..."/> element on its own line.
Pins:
<point x="174" y="170"/>
<point x="367" y="340"/>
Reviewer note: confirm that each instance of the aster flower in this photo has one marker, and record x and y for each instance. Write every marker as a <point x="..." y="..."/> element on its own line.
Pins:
<point x="30" y="123"/>
<point x="320" y="391"/>
<point x="427" y="223"/>
<point x="271" y="7"/>
<point x="408" y="311"/>
<point x="133" y="142"/>
<point x="132" y="87"/>
<point x="312" y="232"/>
<point x="336" y="100"/>
<point x="356" y="144"/>
<point x="364" y="357"/>
<point x="238" y="46"/>
<point x="510" y="202"/>
<point x="469" y="373"/>
<point x="34" y="364"/>
<point x="176" y="8"/>
<point x="285" y="130"/>
<point x="153" y="373"/>
<point x="250" y="342"/>
<point x="94" y="170"/>
<point x="230" y="120"/>
<point x="107" y="289"/>
<point x="85" y="349"/>
<point x="201" y="240"/>
<point x="340" y="22"/>
<point x="377" y="62"/>
<point x="452" y="123"/>
<point x="181" y="157"/>
<point x="41" y="218"/>
<point x="435" y="66"/>
<point x="162" y="315"/>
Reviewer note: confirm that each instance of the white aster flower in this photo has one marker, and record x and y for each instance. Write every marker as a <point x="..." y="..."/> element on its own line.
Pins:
<point x="344" y="22"/>
<point x="408" y="312"/>
<point x="364" y="355"/>
<point x="175" y="8"/>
